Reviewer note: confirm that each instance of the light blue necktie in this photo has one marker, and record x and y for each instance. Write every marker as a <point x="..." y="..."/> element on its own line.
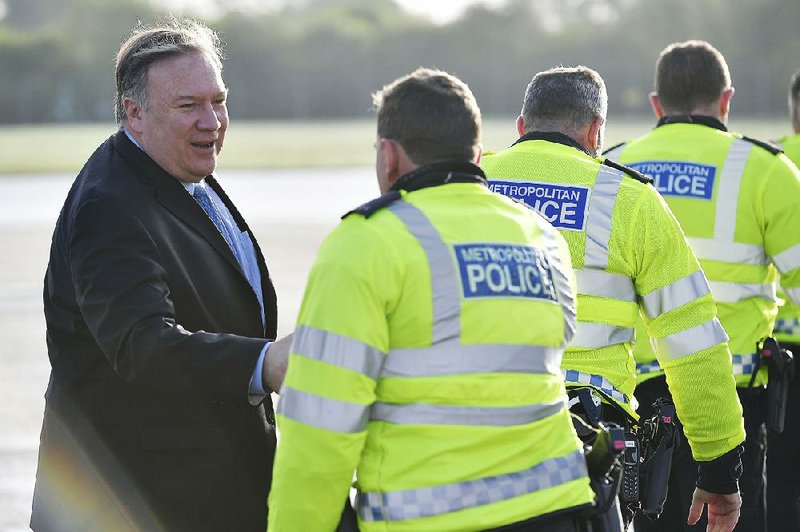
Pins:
<point x="228" y="231"/>
<point x="207" y="204"/>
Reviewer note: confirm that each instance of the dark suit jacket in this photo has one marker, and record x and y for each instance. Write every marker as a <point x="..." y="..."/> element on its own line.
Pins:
<point x="153" y="333"/>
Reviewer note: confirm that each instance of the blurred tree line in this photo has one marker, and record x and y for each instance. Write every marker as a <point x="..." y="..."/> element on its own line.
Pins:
<point x="323" y="58"/>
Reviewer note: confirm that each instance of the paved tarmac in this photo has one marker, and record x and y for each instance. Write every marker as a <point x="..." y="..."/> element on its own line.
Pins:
<point x="290" y="212"/>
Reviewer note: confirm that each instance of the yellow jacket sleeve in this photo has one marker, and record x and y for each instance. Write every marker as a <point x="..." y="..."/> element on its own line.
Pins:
<point x="330" y="383"/>
<point x="681" y="318"/>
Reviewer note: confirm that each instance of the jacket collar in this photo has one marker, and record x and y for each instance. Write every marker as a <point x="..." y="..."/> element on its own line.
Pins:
<point x="703" y="120"/>
<point x="442" y="173"/>
<point x="552" y="136"/>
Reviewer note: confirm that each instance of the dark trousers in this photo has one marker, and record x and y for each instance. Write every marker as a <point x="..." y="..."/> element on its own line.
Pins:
<point x="683" y="475"/>
<point x="783" y="465"/>
<point x="753" y="483"/>
<point x="567" y="521"/>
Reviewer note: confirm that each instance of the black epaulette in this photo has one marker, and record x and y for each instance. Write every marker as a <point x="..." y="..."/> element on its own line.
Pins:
<point x="614" y="147"/>
<point x="638" y="176"/>
<point x="770" y="147"/>
<point x="371" y="207"/>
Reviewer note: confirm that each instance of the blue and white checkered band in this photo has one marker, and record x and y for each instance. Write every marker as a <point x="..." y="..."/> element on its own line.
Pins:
<point x="744" y="364"/>
<point x="787" y="326"/>
<point x="504" y="270"/>
<point x="680" y="179"/>
<point x="648" y="367"/>
<point x="564" y="206"/>
<point x="448" y="498"/>
<point x="598" y="381"/>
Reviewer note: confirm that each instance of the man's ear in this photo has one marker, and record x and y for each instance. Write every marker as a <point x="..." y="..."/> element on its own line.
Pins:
<point x="479" y="149"/>
<point x="725" y="103"/>
<point x="388" y="151"/>
<point x="133" y="115"/>
<point x="520" y="126"/>
<point x="655" y="103"/>
<point x="592" y="140"/>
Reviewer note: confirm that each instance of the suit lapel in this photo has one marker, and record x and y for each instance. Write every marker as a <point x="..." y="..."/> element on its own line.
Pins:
<point x="267" y="289"/>
<point x="171" y="194"/>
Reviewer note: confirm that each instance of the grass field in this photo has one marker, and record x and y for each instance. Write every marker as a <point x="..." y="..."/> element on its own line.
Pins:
<point x="282" y="144"/>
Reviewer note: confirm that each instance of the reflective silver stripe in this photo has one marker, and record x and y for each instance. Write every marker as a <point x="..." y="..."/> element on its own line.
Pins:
<point x="337" y="350"/>
<point x="788" y="260"/>
<point x="444" y="284"/>
<point x="430" y="414"/>
<point x="457" y="359"/>
<point x="793" y="294"/>
<point x="447" y="498"/>
<point x="597" y="335"/>
<point x="735" y="292"/>
<point x="676" y="294"/>
<point x="692" y="340"/>
<point x="604" y="284"/>
<point x="598" y="219"/>
<point x="560" y="274"/>
<point x="321" y="412"/>
<point x="709" y="249"/>
<point x="728" y="190"/>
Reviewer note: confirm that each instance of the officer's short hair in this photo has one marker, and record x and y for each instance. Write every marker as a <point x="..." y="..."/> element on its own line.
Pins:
<point x="689" y="75"/>
<point x="794" y="96"/>
<point x="564" y="97"/>
<point x="431" y="114"/>
<point x="145" y="46"/>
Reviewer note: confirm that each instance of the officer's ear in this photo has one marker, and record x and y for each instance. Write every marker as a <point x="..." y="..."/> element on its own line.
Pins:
<point x="520" y="126"/>
<point x="725" y="103"/>
<point x="655" y="103"/>
<point x="592" y="140"/>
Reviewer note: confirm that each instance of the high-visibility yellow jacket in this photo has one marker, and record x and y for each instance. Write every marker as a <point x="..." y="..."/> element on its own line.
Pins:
<point x="629" y="253"/>
<point x="787" y="325"/>
<point x="427" y="357"/>
<point x="738" y="201"/>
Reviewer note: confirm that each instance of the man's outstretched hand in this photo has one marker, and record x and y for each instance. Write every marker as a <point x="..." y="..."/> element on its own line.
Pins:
<point x="723" y="510"/>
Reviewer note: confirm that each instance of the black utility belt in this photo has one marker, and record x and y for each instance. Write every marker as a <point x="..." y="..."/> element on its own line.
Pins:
<point x="629" y="461"/>
<point x="780" y="371"/>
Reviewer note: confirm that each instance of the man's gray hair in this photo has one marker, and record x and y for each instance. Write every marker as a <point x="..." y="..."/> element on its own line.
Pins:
<point x="145" y="46"/>
<point x="794" y="97"/>
<point x="564" y="98"/>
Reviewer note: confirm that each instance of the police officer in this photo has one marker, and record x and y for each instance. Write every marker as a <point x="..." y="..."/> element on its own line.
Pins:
<point x="629" y="254"/>
<point x="428" y="346"/>
<point x="738" y="200"/>
<point x="783" y="459"/>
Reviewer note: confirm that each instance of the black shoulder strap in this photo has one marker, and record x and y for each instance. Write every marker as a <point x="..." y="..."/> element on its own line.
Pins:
<point x="371" y="207"/>
<point x="770" y="147"/>
<point x="630" y="172"/>
<point x="614" y="147"/>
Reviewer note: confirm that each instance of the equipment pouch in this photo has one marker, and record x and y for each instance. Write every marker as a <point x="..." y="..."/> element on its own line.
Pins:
<point x="780" y="367"/>
<point x="659" y="438"/>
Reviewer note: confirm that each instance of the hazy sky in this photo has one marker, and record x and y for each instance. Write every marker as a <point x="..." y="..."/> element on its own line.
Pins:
<point x="439" y="11"/>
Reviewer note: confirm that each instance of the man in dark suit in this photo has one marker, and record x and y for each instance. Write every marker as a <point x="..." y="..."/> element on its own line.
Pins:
<point x="158" y="306"/>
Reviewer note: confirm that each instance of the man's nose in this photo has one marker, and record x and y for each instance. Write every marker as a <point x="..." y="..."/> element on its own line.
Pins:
<point x="209" y="118"/>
